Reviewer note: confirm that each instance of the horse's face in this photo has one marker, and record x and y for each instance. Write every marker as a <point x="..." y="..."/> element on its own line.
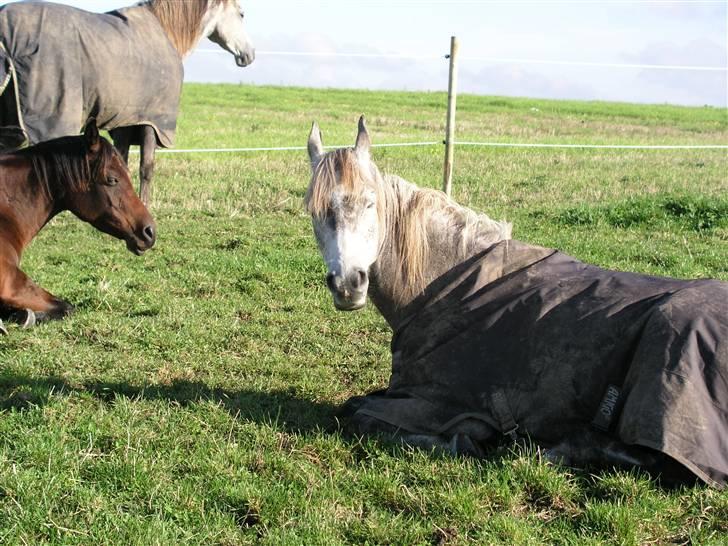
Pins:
<point x="224" y="26"/>
<point x="345" y="223"/>
<point x="348" y="237"/>
<point x="108" y="202"/>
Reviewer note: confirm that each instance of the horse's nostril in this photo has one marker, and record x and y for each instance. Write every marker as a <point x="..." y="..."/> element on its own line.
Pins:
<point x="149" y="234"/>
<point x="357" y="278"/>
<point x="330" y="281"/>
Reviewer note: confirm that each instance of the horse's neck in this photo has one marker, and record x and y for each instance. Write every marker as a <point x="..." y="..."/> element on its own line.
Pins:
<point x="30" y="207"/>
<point x="448" y="242"/>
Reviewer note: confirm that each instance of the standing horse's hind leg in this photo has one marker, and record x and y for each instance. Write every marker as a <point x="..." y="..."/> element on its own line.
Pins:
<point x="146" y="164"/>
<point x="122" y="141"/>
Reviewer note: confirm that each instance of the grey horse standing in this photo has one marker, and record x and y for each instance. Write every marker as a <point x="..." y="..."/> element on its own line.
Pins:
<point x="61" y="66"/>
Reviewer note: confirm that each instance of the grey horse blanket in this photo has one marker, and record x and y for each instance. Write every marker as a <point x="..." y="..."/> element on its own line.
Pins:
<point x="525" y="337"/>
<point x="60" y="66"/>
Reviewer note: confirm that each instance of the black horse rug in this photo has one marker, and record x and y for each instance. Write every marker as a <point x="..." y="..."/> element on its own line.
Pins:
<point x="527" y="340"/>
<point x="60" y="66"/>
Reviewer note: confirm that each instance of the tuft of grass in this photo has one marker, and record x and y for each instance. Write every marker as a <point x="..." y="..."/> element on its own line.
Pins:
<point x="670" y="213"/>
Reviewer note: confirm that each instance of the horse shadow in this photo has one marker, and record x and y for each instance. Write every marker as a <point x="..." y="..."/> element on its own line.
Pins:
<point x="285" y="409"/>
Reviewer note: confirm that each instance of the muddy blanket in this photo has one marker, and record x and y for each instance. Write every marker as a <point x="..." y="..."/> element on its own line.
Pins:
<point x="527" y="337"/>
<point x="59" y="66"/>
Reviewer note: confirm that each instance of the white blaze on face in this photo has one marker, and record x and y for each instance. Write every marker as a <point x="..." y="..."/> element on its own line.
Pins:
<point x="223" y="24"/>
<point x="348" y="238"/>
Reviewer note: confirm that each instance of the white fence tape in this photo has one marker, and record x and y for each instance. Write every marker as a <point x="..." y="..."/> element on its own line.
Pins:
<point x="599" y="146"/>
<point x="436" y="143"/>
<point x="278" y="148"/>
<point x="506" y="60"/>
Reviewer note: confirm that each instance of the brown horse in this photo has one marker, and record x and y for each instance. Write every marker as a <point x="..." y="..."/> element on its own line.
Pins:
<point x="84" y="174"/>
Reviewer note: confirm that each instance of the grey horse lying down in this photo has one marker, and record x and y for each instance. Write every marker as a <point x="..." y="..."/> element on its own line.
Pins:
<point x="495" y="338"/>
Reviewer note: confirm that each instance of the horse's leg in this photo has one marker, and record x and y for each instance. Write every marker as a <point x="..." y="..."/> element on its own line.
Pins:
<point x="122" y="141"/>
<point x="596" y="450"/>
<point x="146" y="164"/>
<point x="27" y="302"/>
<point x="458" y="443"/>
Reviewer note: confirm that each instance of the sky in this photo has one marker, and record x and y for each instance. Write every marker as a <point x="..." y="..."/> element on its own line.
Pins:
<point x="495" y="37"/>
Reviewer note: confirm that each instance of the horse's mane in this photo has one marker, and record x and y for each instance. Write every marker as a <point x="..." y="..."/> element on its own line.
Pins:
<point x="182" y="19"/>
<point x="62" y="164"/>
<point x="460" y="230"/>
<point x="405" y="211"/>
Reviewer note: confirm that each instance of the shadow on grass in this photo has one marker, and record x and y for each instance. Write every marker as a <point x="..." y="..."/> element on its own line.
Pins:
<point x="284" y="408"/>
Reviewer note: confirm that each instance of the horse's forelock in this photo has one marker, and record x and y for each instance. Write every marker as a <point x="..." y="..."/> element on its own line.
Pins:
<point x="338" y="169"/>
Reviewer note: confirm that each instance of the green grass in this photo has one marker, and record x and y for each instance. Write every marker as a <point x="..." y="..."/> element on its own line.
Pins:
<point x="191" y="398"/>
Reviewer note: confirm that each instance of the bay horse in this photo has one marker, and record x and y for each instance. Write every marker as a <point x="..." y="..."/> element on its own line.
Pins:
<point x="123" y="68"/>
<point x="495" y="339"/>
<point x="84" y="174"/>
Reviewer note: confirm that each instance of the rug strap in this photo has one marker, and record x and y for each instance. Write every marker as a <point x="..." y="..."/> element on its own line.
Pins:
<point x="502" y="412"/>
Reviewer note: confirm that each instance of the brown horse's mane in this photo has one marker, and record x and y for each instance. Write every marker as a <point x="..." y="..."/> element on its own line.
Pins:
<point x="182" y="20"/>
<point x="62" y="164"/>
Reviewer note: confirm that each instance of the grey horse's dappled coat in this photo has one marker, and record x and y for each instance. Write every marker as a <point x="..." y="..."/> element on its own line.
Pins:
<point x="527" y="336"/>
<point x="60" y="66"/>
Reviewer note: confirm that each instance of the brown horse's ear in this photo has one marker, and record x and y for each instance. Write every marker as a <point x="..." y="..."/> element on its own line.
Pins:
<point x="362" y="139"/>
<point x="92" y="137"/>
<point x="315" y="146"/>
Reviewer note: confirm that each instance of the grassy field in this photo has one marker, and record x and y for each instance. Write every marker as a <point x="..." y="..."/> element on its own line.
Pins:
<point x="191" y="398"/>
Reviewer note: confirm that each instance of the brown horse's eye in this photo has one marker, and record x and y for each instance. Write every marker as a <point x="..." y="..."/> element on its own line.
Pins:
<point x="111" y="181"/>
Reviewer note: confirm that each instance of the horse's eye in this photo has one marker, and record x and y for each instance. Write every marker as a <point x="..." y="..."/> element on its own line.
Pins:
<point x="331" y="219"/>
<point x="111" y="181"/>
<point x="242" y="15"/>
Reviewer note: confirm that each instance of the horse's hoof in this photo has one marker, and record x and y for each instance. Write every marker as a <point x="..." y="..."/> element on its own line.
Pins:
<point x="25" y="317"/>
<point x="3" y="330"/>
<point x="557" y="456"/>
<point x="30" y="319"/>
<point x="463" y="444"/>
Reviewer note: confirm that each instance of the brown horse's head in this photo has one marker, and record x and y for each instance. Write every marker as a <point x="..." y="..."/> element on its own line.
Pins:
<point x="107" y="199"/>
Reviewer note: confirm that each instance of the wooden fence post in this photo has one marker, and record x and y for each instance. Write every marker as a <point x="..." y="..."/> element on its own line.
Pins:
<point x="452" y="94"/>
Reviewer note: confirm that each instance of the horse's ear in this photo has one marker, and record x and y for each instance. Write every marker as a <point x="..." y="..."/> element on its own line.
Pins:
<point x="92" y="137"/>
<point x="362" y="139"/>
<point x="315" y="146"/>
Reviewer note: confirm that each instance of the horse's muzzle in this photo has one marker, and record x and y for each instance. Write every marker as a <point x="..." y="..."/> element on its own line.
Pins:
<point x="143" y="240"/>
<point x="246" y="58"/>
<point x="350" y="292"/>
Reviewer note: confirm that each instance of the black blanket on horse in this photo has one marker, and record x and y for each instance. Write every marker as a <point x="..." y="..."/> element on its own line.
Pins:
<point x="527" y="336"/>
<point x="60" y="66"/>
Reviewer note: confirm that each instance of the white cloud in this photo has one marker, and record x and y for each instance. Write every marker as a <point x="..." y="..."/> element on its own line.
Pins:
<point x="478" y="77"/>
